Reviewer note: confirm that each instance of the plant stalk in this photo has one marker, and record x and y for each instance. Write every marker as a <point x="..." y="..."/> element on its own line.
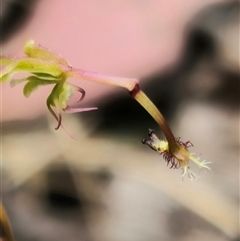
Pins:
<point x="148" y="105"/>
<point x="126" y="83"/>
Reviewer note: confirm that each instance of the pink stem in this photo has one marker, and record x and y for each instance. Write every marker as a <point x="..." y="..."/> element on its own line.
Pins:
<point x="75" y="110"/>
<point x="103" y="79"/>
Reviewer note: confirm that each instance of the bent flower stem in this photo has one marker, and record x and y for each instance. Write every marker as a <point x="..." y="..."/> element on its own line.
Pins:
<point x="174" y="151"/>
<point x="48" y="68"/>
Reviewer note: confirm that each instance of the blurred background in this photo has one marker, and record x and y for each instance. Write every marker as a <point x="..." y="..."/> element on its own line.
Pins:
<point x="107" y="186"/>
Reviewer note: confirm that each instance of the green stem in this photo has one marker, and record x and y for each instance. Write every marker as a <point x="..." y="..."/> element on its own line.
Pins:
<point x="148" y="105"/>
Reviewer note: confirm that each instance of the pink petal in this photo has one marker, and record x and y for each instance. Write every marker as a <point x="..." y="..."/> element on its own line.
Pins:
<point x="59" y="120"/>
<point x="76" y="110"/>
<point x="104" y="79"/>
<point x="66" y="131"/>
<point x="82" y="91"/>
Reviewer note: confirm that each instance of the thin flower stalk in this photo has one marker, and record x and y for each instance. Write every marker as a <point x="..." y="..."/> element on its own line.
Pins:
<point x="174" y="151"/>
<point x="127" y="83"/>
<point x="148" y="105"/>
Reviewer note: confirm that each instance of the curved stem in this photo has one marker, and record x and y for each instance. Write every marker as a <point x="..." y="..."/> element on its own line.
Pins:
<point x="148" y="105"/>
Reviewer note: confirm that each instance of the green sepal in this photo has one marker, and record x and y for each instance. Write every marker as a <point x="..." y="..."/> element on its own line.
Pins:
<point x="49" y="77"/>
<point x="65" y="93"/>
<point x="37" y="51"/>
<point x="5" y="60"/>
<point x="7" y="72"/>
<point x="32" y="85"/>
<point x="34" y="66"/>
<point x="15" y="82"/>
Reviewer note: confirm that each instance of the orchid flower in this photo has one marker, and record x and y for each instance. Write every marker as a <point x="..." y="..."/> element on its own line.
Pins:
<point x="48" y="68"/>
